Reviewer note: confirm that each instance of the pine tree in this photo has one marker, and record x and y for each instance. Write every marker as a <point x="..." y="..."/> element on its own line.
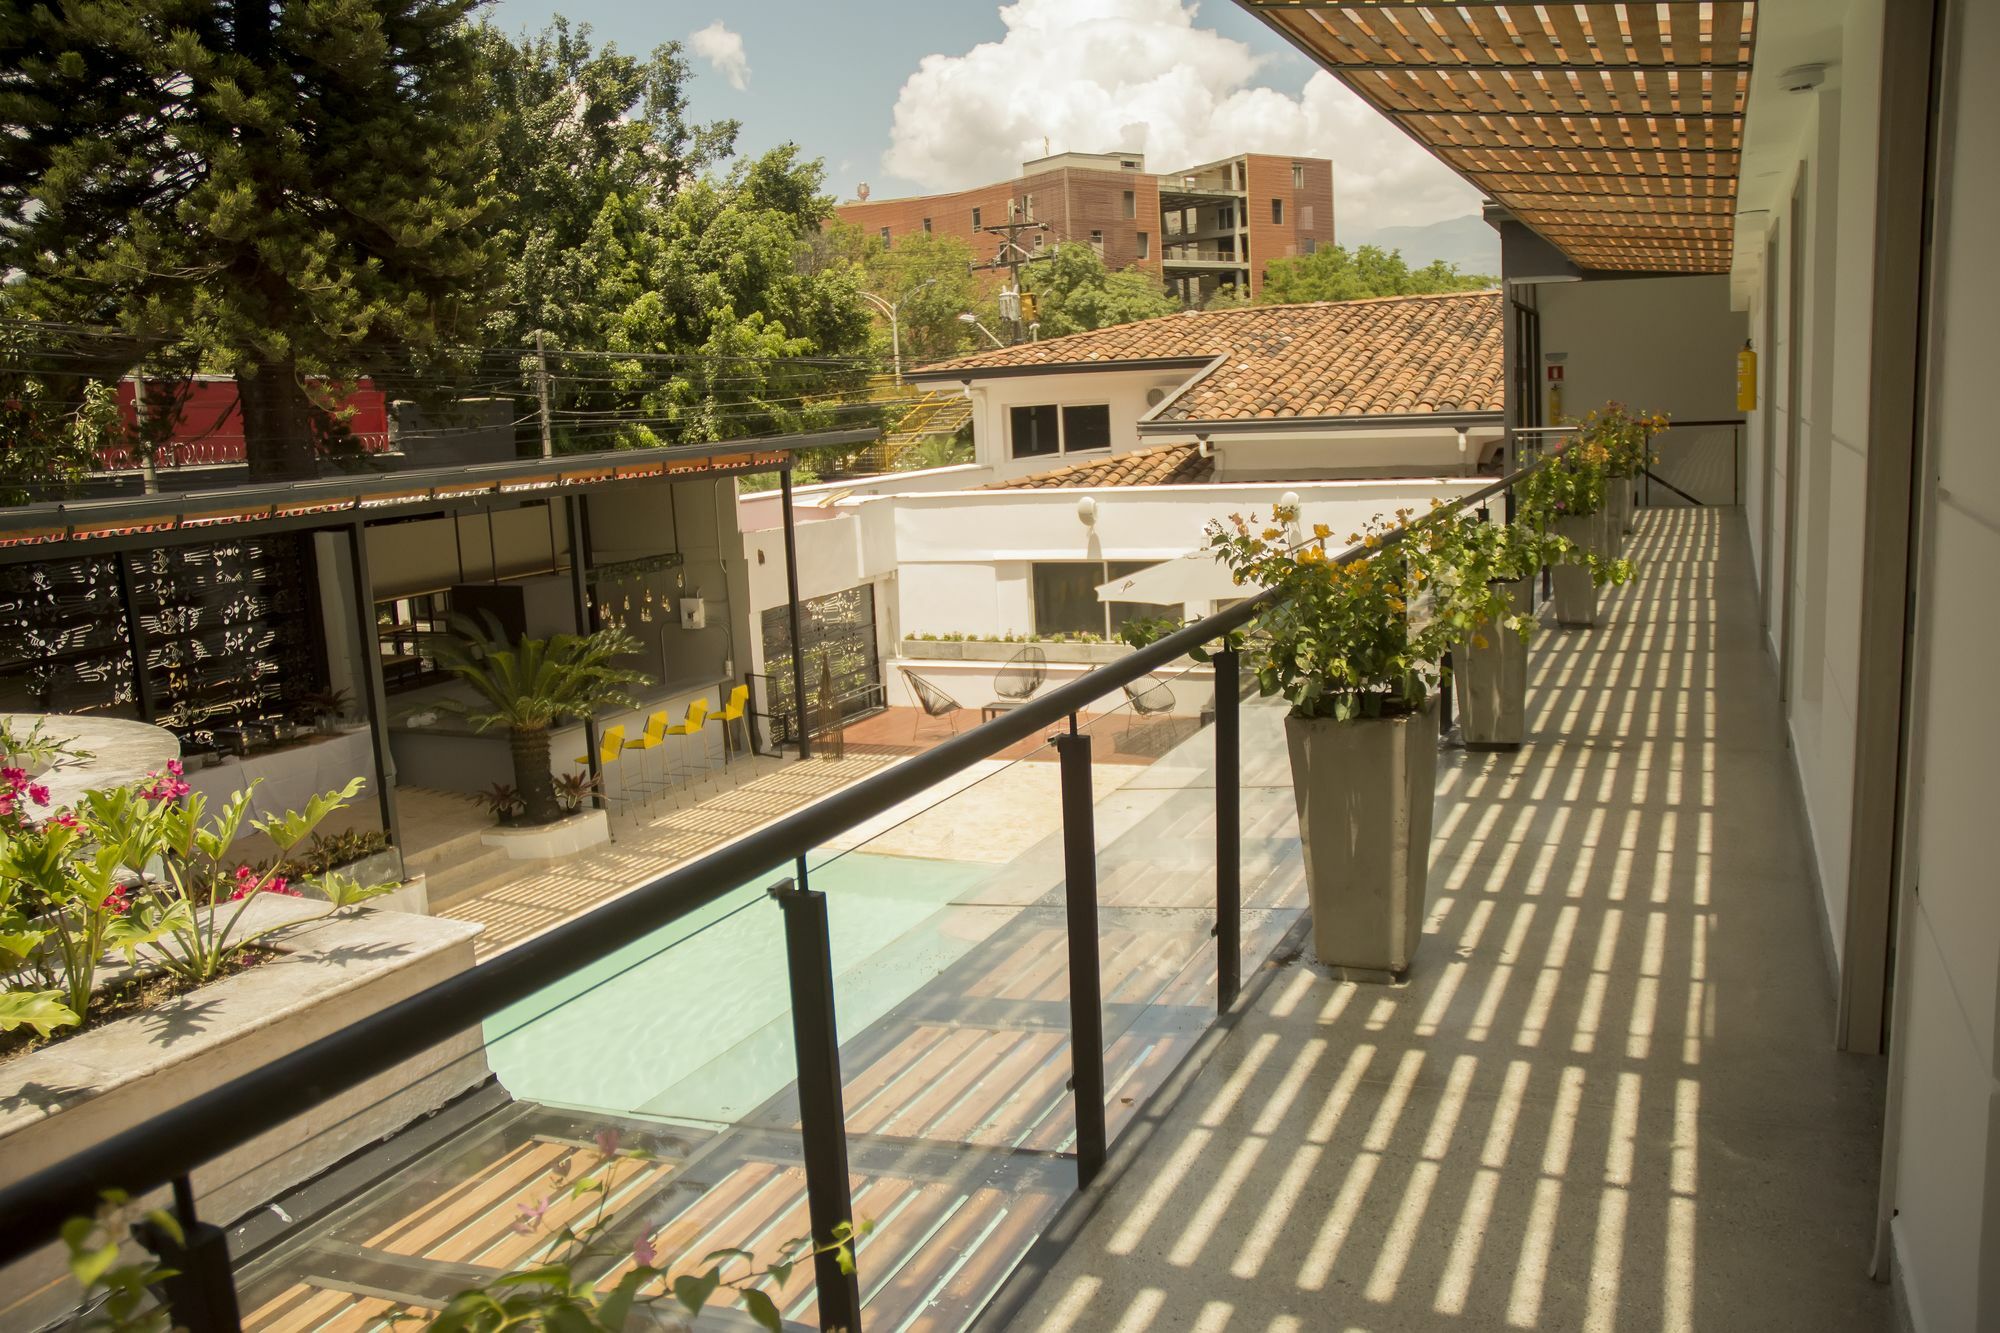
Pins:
<point x="294" y="189"/>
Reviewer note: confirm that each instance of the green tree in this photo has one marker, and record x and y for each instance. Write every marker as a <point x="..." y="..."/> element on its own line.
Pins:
<point x="681" y="297"/>
<point x="297" y="188"/>
<point x="1336" y="274"/>
<point x="1074" y="291"/>
<point x="927" y="276"/>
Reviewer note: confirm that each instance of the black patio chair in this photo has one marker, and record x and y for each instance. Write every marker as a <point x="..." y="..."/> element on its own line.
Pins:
<point x="1023" y="675"/>
<point x="934" y="701"/>
<point x="1148" y="695"/>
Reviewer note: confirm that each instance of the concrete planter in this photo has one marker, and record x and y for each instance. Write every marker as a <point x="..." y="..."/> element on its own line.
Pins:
<point x="1364" y="791"/>
<point x="967" y="650"/>
<point x="1492" y="682"/>
<point x="1575" y="591"/>
<point x="542" y="842"/>
<point x="1623" y="505"/>
<point x="59" y="1100"/>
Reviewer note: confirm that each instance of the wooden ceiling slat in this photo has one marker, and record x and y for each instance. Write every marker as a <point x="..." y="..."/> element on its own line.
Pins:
<point x="1577" y="47"/>
<point x="1615" y="130"/>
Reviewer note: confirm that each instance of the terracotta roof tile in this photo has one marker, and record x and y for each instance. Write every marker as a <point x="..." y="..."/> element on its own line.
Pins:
<point x="1163" y="465"/>
<point x="1399" y="355"/>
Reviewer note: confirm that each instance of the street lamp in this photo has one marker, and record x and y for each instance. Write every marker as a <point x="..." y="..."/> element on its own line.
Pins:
<point x="893" y="310"/>
<point x="969" y="318"/>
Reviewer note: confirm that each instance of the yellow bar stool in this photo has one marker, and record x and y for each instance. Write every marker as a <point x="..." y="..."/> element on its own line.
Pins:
<point x="654" y="737"/>
<point x="697" y="719"/>
<point x="610" y="745"/>
<point x="733" y="712"/>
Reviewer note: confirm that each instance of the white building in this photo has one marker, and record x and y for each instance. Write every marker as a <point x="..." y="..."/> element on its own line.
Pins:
<point x="1103" y="453"/>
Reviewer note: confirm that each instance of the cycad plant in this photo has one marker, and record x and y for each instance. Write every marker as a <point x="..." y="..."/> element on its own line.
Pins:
<point x="532" y="686"/>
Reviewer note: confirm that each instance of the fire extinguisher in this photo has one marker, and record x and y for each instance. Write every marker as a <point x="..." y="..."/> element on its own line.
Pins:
<point x="1746" y="378"/>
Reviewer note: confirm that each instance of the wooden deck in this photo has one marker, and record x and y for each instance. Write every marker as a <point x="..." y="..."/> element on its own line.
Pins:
<point x="960" y="1128"/>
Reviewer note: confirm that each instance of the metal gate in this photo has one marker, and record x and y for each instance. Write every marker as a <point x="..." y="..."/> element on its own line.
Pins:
<point x="839" y="631"/>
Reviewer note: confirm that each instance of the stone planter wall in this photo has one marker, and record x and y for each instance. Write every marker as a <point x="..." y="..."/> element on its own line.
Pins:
<point x="59" y="1100"/>
<point x="542" y="842"/>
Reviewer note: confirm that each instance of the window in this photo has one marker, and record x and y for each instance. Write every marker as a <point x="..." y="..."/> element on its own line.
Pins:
<point x="927" y="224"/>
<point x="975" y="219"/>
<point x="1129" y="205"/>
<point x="1306" y="216"/>
<point x="1087" y="426"/>
<point x="1298" y="177"/>
<point x="1065" y="594"/>
<point x="1043" y="429"/>
<point x="1308" y="244"/>
<point x="1028" y="205"/>
<point x="1040" y="239"/>
<point x="1097" y="241"/>
<point x="1277" y="210"/>
<point x="885" y="238"/>
<point x="1225" y="217"/>
<point x="1145" y="246"/>
<point x="1034" y="431"/>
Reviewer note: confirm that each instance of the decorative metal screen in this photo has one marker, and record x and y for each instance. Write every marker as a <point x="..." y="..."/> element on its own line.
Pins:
<point x="224" y="629"/>
<point x="222" y="632"/>
<point x="839" y="627"/>
<point x="62" y="639"/>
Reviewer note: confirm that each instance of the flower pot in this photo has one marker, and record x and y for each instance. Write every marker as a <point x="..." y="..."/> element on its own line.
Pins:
<point x="1364" y="791"/>
<point x="1624" y="504"/>
<point x="1492" y="682"/>
<point x="1575" y="591"/>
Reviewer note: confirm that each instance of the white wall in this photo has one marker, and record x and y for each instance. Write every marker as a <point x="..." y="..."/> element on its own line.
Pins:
<point x="1654" y="344"/>
<point x="1410" y="451"/>
<point x="1947" y="1154"/>
<point x="1124" y="390"/>
<point x="962" y="559"/>
<point x="699" y="519"/>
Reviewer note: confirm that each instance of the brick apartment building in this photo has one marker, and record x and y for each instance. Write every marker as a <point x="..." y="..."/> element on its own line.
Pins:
<point x="1209" y="226"/>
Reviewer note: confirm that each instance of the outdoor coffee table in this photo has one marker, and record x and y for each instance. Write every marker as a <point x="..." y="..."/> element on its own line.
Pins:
<point x="987" y="712"/>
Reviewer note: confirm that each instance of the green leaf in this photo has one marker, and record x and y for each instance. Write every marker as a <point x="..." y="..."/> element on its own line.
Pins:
<point x="693" y="1292"/>
<point x="760" y="1308"/>
<point x="43" y="1011"/>
<point x="288" y="830"/>
<point x="781" y="1272"/>
<point x="617" y="1307"/>
<point x="168" y="1224"/>
<point x="87" y="1265"/>
<point x="717" y="1256"/>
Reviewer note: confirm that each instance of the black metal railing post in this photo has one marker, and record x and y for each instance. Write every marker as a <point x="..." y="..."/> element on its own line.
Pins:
<point x="822" y="1108"/>
<point x="200" y="1295"/>
<point x="1228" y="830"/>
<point x="1444" y="694"/>
<point x="1086" y="987"/>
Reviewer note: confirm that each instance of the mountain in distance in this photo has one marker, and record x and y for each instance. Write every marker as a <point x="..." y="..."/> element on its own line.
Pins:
<point x="1467" y="242"/>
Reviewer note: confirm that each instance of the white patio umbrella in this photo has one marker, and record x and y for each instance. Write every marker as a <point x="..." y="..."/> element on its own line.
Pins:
<point x="1195" y="577"/>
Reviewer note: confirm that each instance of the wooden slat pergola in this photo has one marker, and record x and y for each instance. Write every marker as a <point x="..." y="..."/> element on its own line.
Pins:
<point x="1614" y="130"/>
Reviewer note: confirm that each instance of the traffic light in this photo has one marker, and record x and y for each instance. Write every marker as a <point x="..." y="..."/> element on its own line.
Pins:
<point x="1027" y="307"/>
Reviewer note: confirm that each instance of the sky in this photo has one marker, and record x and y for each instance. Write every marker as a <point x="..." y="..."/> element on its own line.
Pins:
<point x="918" y="96"/>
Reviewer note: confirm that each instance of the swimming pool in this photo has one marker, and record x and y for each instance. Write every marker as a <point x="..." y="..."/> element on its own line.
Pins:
<point x="692" y="1023"/>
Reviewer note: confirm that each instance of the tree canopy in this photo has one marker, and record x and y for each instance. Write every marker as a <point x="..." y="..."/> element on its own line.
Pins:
<point x="1074" y="292"/>
<point x="286" y="188"/>
<point x="1337" y="274"/>
<point x="927" y="277"/>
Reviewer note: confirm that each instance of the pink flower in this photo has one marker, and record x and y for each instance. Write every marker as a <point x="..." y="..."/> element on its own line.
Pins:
<point x="38" y="794"/>
<point x="607" y="1142"/>
<point x="175" y="767"/>
<point x="64" y="817"/>
<point x="117" y="903"/>
<point x="643" y="1252"/>
<point x="16" y="778"/>
<point x="529" y="1220"/>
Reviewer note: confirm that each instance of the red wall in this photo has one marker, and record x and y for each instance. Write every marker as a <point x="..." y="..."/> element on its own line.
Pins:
<point x="209" y="428"/>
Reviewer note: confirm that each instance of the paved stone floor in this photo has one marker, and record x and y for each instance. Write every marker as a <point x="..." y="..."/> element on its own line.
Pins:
<point x="1605" y="1099"/>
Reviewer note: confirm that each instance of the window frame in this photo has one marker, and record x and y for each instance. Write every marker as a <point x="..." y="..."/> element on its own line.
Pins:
<point x="1113" y="616"/>
<point x="975" y="219"/>
<point x="1144" y="242"/>
<point x="1061" y="407"/>
<point x="1128" y="204"/>
<point x="1277" y="212"/>
<point x="927" y="226"/>
<point x="886" y="238"/>
<point x="1298" y="176"/>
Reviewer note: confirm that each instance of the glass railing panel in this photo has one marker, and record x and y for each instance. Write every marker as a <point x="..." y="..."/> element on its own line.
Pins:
<point x="652" y="1072"/>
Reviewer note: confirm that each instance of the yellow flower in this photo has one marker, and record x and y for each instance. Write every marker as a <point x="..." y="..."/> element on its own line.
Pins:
<point x="1322" y="531"/>
<point x="1271" y="534"/>
<point x="1479" y="641"/>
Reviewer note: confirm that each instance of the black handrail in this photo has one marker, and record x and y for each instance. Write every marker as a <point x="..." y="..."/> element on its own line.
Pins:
<point x="173" y="1143"/>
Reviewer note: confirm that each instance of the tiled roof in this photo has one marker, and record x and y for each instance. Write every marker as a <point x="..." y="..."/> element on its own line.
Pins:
<point x="1388" y="356"/>
<point x="1163" y="465"/>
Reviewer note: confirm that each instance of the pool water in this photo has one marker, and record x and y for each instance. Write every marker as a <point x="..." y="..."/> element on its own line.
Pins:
<point x="692" y="1023"/>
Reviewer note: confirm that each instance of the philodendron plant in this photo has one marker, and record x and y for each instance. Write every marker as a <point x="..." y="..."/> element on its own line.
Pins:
<point x="141" y="870"/>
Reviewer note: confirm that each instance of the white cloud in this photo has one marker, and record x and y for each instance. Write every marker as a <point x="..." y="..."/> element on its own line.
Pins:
<point x="723" y="49"/>
<point x="1104" y="75"/>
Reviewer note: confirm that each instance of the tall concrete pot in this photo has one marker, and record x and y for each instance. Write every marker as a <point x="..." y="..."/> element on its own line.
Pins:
<point x="1364" y="791"/>
<point x="1492" y="682"/>
<point x="1627" y="506"/>
<point x="1575" y="593"/>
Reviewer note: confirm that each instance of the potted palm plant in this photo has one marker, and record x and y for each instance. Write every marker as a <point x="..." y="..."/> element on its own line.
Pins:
<point x="530" y="688"/>
<point x="1342" y="646"/>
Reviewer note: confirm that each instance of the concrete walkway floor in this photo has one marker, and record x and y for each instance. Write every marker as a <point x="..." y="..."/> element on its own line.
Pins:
<point x="1605" y="1099"/>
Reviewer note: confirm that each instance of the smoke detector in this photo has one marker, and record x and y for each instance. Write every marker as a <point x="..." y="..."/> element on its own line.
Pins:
<point x="1802" y="78"/>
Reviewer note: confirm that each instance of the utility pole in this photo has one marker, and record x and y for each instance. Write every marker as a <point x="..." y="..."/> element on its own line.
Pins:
<point x="149" y="476"/>
<point x="1013" y="256"/>
<point x="542" y="390"/>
